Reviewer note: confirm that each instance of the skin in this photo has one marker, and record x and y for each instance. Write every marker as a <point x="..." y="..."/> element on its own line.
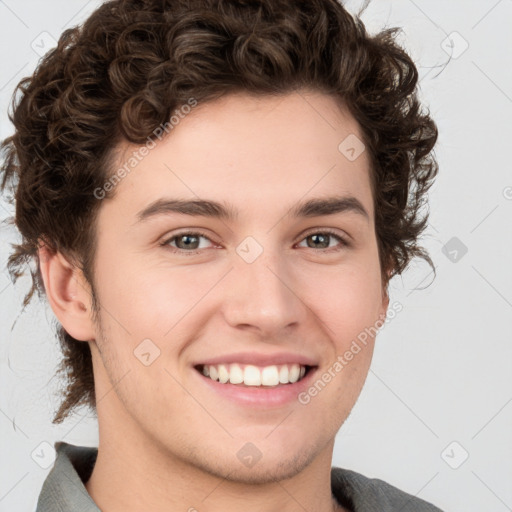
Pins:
<point x="166" y="440"/>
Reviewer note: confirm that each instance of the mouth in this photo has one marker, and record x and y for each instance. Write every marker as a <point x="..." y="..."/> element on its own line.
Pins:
<point x="248" y="375"/>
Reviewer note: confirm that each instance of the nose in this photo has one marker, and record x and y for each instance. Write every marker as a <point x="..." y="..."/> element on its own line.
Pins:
<point x="263" y="296"/>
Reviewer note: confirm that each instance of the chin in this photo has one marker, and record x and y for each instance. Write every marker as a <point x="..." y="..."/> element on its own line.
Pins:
<point x="252" y="466"/>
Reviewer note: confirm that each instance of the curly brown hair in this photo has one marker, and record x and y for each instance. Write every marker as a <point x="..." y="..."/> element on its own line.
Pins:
<point x="123" y="72"/>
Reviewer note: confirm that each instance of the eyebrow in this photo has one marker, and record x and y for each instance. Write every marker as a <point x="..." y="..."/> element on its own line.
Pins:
<point x="224" y="211"/>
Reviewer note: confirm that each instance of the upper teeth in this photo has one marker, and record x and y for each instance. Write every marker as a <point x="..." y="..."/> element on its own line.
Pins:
<point x="252" y="375"/>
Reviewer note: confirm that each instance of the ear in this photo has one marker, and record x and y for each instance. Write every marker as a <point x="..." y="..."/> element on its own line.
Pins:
<point x="385" y="298"/>
<point x="384" y="305"/>
<point x="68" y="292"/>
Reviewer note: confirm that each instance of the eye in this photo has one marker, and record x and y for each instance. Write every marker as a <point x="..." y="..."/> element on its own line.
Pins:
<point x="187" y="242"/>
<point x="321" y="239"/>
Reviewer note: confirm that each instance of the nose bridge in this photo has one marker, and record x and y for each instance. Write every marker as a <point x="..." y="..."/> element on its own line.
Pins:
<point x="261" y="290"/>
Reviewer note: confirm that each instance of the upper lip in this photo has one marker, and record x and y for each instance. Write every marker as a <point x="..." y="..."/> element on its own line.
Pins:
<point x="259" y="359"/>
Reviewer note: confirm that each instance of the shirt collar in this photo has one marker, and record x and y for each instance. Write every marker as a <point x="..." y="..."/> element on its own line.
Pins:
<point x="64" y="487"/>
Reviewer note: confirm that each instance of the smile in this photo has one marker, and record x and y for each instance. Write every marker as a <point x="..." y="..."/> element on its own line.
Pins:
<point x="251" y="375"/>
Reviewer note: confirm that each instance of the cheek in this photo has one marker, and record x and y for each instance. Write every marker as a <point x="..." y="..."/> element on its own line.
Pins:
<point x="148" y="298"/>
<point x="347" y="300"/>
<point x="157" y="300"/>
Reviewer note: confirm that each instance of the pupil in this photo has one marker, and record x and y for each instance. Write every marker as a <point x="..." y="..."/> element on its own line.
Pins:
<point x="188" y="237"/>
<point x="321" y="237"/>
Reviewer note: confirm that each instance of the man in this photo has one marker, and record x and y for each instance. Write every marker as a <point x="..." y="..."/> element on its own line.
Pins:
<point x="216" y="195"/>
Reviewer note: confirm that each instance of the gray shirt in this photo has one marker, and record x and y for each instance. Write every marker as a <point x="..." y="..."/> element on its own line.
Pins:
<point x="64" y="489"/>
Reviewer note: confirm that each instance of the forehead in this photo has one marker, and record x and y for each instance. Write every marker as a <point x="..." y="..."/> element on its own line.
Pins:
<point x="246" y="149"/>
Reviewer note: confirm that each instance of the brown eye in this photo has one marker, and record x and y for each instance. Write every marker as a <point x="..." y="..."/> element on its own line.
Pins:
<point x="322" y="239"/>
<point x="319" y="240"/>
<point x="189" y="242"/>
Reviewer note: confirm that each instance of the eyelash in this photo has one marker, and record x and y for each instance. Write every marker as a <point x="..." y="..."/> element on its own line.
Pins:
<point x="343" y="242"/>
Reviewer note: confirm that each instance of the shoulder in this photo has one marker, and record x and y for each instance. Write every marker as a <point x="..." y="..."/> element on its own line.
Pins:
<point x="363" y="494"/>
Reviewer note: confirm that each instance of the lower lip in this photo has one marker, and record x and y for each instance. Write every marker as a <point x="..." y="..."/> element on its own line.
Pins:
<point x="255" y="396"/>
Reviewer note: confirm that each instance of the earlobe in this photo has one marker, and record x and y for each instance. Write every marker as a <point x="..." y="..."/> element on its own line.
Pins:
<point x="68" y="293"/>
<point x="385" y="305"/>
<point x="385" y="300"/>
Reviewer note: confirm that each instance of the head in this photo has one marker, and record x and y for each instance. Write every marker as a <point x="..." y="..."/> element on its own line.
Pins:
<point x="258" y="106"/>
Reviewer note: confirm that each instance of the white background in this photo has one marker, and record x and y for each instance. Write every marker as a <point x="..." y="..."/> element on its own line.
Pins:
<point x="442" y="367"/>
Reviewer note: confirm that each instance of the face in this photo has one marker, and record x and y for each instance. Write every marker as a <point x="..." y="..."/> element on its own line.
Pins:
<point x="260" y="292"/>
